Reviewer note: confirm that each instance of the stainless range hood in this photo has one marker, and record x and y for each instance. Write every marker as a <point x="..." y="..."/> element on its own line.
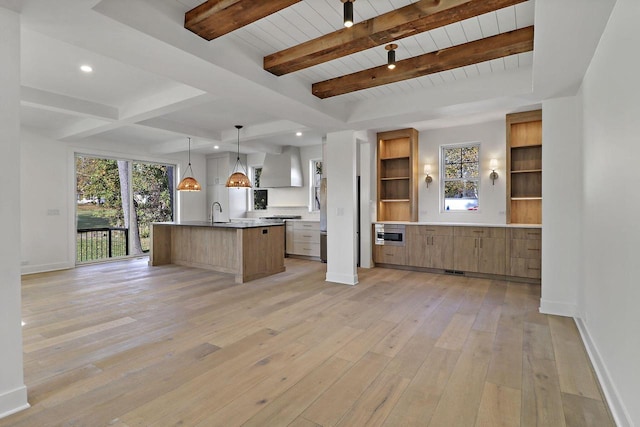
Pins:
<point x="282" y="170"/>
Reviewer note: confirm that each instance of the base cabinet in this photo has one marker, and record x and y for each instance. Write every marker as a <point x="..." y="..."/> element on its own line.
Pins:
<point x="500" y="251"/>
<point x="480" y="249"/>
<point x="525" y="246"/>
<point x="303" y="238"/>
<point x="387" y="254"/>
<point x="430" y="246"/>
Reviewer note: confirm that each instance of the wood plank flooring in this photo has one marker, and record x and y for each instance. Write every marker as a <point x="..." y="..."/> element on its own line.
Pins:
<point x="124" y="344"/>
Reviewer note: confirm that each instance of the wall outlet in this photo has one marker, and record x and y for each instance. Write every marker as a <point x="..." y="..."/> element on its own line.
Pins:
<point x="502" y="212"/>
<point x="24" y="263"/>
<point x="53" y="212"/>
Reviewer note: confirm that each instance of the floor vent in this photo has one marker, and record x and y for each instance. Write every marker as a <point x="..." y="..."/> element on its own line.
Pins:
<point x="459" y="273"/>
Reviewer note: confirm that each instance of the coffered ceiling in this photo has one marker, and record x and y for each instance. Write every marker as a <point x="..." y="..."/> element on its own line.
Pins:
<point x="155" y="82"/>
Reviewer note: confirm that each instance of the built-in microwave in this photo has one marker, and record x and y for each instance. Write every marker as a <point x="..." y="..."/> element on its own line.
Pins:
<point x="389" y="234"/>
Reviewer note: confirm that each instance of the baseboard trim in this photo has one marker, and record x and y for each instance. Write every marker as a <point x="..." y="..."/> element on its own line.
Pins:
<point x="43" y="268"/>
<point x="13" y="401"/>
<point x="558" y="308"/>
<point x="343" y="279"/>
<point x="618" y="410"/>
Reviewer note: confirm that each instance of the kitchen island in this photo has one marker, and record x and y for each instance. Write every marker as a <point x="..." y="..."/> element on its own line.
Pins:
<point x="248" y="249"/>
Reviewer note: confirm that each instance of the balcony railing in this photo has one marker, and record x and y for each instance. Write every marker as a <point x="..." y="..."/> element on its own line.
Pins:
<point x="94" y="244"/>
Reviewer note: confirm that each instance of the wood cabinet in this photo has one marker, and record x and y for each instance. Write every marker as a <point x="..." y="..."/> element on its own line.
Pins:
<point x="387" y="254"/>
<point x="480" y="249"/>
<point x="498" y="251"/>
<point x="524" y="167"/>
<point x="397" y="175"/>
<point x="429" y="246"/>
<point x="303" y="238"/>
<point x="525" y="249"/>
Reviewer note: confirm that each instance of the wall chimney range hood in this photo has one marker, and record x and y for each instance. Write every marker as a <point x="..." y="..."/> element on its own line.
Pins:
<point x="282" y="170"/>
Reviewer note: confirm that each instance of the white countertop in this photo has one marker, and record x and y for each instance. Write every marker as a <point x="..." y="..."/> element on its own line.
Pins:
<point x="460" y="224"/>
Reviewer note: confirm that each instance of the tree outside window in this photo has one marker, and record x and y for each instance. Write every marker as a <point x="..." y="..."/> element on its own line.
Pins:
<point x="316" y="178"/>
<point x="259" y="195"/>
<point x="461" y="172"/>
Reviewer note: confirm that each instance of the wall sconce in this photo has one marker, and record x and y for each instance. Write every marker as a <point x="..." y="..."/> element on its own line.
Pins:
<point x="427" y="171"/>
<point x="493" y="165"/>
<point x="391" y="55"/>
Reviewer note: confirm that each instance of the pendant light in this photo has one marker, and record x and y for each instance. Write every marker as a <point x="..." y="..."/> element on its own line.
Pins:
<point x="237" y="178"/>
<point x="391" y="55"/>
<point x="348" y="13"/>
<point x="188" y="183"/>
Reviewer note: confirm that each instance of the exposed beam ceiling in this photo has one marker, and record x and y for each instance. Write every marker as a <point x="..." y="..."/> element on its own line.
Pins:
<point x="499" y="46"/>
<point x="410" y="20"/>
<point x="215" y="18"/>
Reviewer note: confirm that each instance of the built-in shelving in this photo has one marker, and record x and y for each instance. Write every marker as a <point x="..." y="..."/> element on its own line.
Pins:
<point x="397" y="172"/>
<point x="524" y="167"/>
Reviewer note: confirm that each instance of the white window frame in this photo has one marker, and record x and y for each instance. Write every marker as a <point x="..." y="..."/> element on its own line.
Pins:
<point x="443" y="179"/>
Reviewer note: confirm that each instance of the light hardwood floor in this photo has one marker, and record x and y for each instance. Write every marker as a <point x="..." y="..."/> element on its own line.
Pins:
<point x="124" y="344"/>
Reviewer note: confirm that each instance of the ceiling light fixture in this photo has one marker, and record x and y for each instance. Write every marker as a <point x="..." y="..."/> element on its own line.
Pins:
<point x="86" y="68"/>
<point x="215" y="147"/>
<point x="348" y="13"/>
<point x="238" y="179"/>
<point x="189" y="183"/>
<point x="391" y="55"/>
<point x="298" y="133"/>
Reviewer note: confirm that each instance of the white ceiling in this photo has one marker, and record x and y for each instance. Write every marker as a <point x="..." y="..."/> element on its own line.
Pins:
<point x="155" y="83"/>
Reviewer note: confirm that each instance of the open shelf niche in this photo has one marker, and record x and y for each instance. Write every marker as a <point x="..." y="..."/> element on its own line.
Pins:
<point x="524" y="167"/>
<point x="397" y="175"/>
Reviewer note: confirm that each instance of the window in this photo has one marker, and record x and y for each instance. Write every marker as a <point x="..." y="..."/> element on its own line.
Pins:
<point x="316" y="177"/>
<point x="460" y="170"/>
<point x="259" y="195"/>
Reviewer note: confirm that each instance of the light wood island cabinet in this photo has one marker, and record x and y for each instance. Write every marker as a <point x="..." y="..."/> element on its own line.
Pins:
<point x="249" y="251"/>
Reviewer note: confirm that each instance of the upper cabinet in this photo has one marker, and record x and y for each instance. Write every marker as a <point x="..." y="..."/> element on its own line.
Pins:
<point x="397" y="175"/>
<point x="524" y="168"/>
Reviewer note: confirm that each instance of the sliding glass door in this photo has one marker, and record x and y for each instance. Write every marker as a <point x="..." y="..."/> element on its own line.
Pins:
<point x="117" y="200"/>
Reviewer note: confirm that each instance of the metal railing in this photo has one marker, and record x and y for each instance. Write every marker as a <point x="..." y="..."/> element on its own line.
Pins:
<point x="93" y="244"/>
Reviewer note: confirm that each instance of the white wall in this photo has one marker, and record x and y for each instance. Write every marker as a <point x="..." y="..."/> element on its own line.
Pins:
<point x="562" y="208"/>
<point x="13" y="393"/>
<point x="48" y="203"/>
<point x="492" y="139"/>
<point x="611" y="206"/>
<point x="290" y="197"/>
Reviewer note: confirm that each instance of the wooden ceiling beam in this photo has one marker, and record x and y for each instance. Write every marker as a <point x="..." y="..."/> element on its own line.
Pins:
<point x="410" y="20"/>
<point x="215" y="18"/>
<point x="486" y="49"/>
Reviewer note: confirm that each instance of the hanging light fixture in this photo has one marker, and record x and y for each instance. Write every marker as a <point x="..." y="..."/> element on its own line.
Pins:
<point x="348" y="13"/>
<point x="237" y="178"/>
<point x="188" y="183"/>
<point x="391" y="55"/>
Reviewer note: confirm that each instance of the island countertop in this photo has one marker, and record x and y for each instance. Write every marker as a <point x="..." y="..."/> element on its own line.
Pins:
<point x="249" y="223"/>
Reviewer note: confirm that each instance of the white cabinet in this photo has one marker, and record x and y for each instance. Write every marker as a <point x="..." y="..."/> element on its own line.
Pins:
<point x="232" y="200"/>
<point x="303" y="238"/>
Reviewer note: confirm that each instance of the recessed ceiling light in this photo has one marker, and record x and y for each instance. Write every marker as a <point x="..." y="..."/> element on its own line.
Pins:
<point x="215" y="147"/>
<point x="298" y="133"/>
<point x="86" y="68"/>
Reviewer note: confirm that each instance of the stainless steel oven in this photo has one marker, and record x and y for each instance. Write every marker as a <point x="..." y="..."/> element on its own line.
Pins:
<point x="389" y="234"/>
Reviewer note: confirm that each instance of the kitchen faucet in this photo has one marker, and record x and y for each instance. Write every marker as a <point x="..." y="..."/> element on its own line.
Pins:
<point x="213" y="205"/>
